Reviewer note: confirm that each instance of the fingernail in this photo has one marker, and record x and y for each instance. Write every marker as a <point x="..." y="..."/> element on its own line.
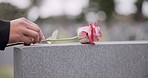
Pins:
<point x="33" y="42"/>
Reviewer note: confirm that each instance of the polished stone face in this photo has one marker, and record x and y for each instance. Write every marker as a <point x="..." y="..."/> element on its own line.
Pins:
<point x="103" y="60"/>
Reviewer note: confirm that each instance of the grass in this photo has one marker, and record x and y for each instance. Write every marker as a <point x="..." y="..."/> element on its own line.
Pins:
<point x="6" y="71"/>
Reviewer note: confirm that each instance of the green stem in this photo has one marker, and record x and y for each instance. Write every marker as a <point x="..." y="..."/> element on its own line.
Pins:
<point x="62" y="39"/>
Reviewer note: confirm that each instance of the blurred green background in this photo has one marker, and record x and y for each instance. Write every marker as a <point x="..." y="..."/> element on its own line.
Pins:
<point x="120" y="20"/>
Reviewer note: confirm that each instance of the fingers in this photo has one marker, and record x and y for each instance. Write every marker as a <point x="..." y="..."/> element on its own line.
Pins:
<point x="35" y="27"/>
<point x="23" y="30"/>
<point x="32" y="34"/>
<point x="26" y="40"/>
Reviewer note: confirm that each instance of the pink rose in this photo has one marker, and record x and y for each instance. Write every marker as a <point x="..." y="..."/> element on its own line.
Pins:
<point x="89" y="34"/>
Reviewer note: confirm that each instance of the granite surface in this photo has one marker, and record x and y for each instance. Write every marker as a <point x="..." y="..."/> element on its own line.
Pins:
<point x="74" y="60"/>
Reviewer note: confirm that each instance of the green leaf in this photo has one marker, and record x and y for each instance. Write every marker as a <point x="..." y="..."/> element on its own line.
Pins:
<point x="53" y="36"/>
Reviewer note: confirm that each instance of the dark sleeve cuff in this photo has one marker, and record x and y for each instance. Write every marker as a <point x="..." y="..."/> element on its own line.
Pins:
<point x="4" y="33"/>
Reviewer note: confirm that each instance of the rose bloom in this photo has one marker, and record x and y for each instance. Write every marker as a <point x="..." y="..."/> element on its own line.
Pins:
<point x="89" y="34"/>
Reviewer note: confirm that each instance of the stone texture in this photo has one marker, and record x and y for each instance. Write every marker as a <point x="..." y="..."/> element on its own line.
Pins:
<point x="103" y="60"/>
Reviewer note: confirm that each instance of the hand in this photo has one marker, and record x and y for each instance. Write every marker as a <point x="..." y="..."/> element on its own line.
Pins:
<point x="23" y="30"/>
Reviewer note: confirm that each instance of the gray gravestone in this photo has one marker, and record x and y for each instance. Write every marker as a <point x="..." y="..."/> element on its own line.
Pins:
<point x="103" y="60"/>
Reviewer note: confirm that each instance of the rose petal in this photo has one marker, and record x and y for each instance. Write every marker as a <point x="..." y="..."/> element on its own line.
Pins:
<point x="89" y="33"/>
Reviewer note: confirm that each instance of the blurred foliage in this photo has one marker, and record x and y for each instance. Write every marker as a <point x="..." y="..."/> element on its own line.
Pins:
<point x="138" y="14"/>
<point x="107" y="6"/>
<point x="7" y="11"/>
<point x="80" y="18"/>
